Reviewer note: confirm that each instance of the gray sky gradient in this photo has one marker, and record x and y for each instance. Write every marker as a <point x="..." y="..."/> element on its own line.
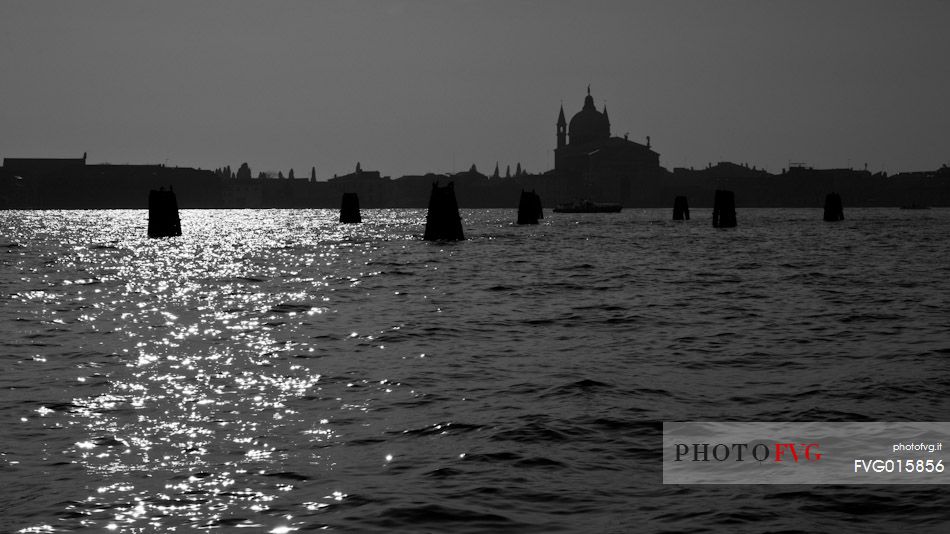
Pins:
<point x="413" y="86"/>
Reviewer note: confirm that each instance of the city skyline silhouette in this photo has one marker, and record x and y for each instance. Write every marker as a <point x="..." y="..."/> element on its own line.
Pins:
<point x="410" y="87"/>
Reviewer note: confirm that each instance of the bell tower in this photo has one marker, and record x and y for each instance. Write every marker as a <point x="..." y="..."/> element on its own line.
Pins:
<point x="561" y="129"/>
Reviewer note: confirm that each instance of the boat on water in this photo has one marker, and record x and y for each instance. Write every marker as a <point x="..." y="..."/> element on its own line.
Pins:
<point x="915" y="206"/>
<point x="588" y="206"/>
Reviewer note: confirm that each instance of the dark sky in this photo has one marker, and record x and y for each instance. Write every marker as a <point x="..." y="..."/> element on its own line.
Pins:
<point x="415" y="86"/>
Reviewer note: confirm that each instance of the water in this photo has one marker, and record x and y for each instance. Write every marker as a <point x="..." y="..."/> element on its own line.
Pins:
<point x="277" y="371"/>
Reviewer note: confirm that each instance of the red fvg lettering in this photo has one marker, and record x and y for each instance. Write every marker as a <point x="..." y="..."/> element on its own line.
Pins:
<point x="809" y="454"/>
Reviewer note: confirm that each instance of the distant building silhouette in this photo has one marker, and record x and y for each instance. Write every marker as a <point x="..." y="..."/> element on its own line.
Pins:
<point x="358" y="176"/>
<point x="598" y="164"/>
<point x="373" y="188"/>
<point x="43" y="166"/>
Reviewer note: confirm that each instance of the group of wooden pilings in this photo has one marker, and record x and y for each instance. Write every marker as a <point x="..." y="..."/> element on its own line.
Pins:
<point x="680" y="209"/>
<point x="443" y="221"/>
<point x="724" y="209"/>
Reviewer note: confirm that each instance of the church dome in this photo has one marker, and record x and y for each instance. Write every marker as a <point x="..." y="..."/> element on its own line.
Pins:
<point x="588" y="124"/>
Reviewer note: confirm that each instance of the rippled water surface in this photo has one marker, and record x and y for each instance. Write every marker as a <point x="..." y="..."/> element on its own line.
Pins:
<point x="278" y="371"/>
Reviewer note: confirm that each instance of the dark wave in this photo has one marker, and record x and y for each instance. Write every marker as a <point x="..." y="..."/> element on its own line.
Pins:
<point x="441" y="517"/>
<point x="288" y="307"/>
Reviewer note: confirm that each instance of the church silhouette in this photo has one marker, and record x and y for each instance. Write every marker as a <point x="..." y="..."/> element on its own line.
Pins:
<point x="587" y="154"/>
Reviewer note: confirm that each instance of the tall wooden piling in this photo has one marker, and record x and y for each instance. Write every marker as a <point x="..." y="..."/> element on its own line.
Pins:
<point x="529" y="208"/>
<point x="724" y="209"/>
<point x="443" y="222"/>
<point x="163" y="220"/>
<point x="834" y="209"/>
<point x="350" y="208"/>
<point x="680" y="209"/>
